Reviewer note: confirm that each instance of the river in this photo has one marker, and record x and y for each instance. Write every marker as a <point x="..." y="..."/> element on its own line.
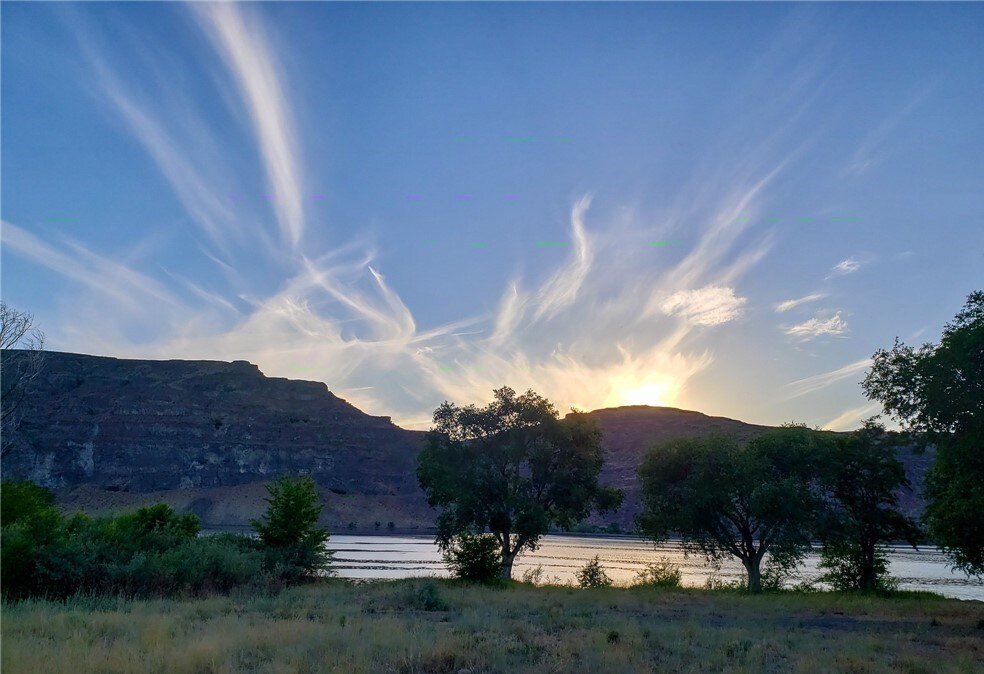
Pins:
<point x="560" y="556"/>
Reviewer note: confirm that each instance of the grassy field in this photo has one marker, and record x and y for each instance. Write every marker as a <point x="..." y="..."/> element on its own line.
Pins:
<point x="440" y="626"/>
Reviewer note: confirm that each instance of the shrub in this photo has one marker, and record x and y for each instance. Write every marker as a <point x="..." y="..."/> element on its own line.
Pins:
<point x="150" y="552"/>
<point x="841" y="563"/>
<point x="593" y="574"/>
<point x="661" y="573"/>
<point x="474" y="557"/>
<point x="22" y="500"/>
<point x="427" y="597"/>
<point x="534" y="576"/>
<point x="294" y="545"/>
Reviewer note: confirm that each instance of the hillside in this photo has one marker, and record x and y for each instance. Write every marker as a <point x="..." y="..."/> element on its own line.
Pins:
<point x="204" y="436"/>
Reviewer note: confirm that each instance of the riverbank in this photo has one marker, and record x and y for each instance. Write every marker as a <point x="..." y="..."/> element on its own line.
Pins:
<point x="436" y="625"/>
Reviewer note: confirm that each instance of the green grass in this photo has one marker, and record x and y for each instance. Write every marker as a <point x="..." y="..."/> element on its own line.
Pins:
<point x="442" y="626"/>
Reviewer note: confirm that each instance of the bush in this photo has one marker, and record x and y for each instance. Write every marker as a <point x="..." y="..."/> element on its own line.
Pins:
<point x="426" y="597"/>
<point x="474" y="557"/>
<point x="661" y="573"/>
<point x="23" y="500"/>
<point x="842" y="564"/>
<point x="151" y="552"/>
<point x="291" y="539"/>
<point x="593" y="575"/>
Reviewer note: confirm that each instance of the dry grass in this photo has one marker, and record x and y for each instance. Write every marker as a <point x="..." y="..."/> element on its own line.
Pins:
<point x="439" y="626"/>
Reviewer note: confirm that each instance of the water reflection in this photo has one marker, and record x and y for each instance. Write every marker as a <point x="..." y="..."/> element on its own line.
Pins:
<point x="561" y="556"/>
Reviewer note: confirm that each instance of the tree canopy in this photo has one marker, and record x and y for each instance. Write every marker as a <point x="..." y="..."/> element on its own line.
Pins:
<point x="864" y="479"/>
<point x="745" y="500"/>
<point x="938" y="390"/>
<point x="513" y="468"/>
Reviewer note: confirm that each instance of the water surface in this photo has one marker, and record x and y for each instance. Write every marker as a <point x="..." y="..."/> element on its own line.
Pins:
<point x="622" y="557"/>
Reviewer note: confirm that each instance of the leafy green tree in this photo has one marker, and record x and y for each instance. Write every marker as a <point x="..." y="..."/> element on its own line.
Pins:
<point x="938" y="390"/>
<point x="289" y="528"/>
<point x="864" y="480"/>
<point x="512" y="468"/>
<point x="724" y="498"/>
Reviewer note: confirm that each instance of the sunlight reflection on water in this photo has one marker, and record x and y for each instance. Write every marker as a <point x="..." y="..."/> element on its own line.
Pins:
<point x="560" y="556"/>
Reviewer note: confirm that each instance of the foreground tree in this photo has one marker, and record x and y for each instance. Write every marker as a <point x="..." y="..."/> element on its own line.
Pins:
<point x="938" y="390"/>
<point x="724" y="498"/>
<point x="289" y="528"/>
<point x="512" y="468"/>
<point x="864" y="480"/>
<point x="17" y="369"/>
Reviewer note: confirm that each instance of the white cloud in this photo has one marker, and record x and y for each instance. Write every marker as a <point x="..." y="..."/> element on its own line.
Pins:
<point x="848" y="266"/>
<point x="817" y="327"/>
<point x="243" y="46"/>
<point x="711" y="305"/>
<point x="792" y="304"/>
<point x="802" y="387"/>
<point x="851" y="419"/>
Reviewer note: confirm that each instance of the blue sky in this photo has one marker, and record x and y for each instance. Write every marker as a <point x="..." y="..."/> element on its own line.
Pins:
<point x="721" y="207"/>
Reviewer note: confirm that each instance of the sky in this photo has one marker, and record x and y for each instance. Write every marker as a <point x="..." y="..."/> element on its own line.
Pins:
<point x="721" y="207"/>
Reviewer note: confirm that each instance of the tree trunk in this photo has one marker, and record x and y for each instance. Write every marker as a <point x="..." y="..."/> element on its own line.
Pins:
<point x="867" y="567"/>
<point x="752" y="565"/>
<point x="507" y="564"/>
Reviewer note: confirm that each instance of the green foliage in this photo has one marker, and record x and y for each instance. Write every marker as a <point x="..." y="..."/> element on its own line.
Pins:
<point x="150" y="552"/>
<point x="294" y="544"/>
<point x="847" y="569"/>
<point x="426" y="597"/>
<point x="21" y="500"/>
<point x="592" y="574"/>
<point x="864" y="478"/>
<point x="473" y="557"/>
<point x="660" y="573"/>
<point x="724" y="498"/>
<point x="513" y="468"/>
<point x="938" y="390"/>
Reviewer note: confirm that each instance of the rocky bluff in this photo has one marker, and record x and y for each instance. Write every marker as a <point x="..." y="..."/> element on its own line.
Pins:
<point x="142" y="426"/>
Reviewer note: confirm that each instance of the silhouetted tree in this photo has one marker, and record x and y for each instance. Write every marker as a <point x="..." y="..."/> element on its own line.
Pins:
<point x="512" y="468"/>
<point x="938" y="390"/>
<point x="17" y="369"/>
<point x="864" y="478"/>
<point x="724" y="498"/>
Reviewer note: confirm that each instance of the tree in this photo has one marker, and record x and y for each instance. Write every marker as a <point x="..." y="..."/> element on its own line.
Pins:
<point x="938" y="390"/>
<point x="289" y="528"/>
<point x="17" y="369"/>
<point x="512" y="468"/>
<point x="724" y="498"/>
<point x="864" y="480"/>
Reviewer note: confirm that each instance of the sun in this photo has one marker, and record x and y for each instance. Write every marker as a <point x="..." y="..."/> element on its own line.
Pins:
<point x="653" y="393"/>
<point x="647" y="394"/>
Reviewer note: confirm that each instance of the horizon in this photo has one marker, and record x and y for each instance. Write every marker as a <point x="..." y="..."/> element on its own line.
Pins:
<point x="724" y="209"/>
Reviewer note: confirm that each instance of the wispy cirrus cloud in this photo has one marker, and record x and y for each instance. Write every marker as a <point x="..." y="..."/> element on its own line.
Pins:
<point x="802" y="387"/>
<point x="240" y="40"/>
<point x="711" y="305"/>
<point x="817" y="327"/>
<point x="844" y="267"/>
<point x="792" y="304"/>
<point x="851" y="419"/>
<point x="99" y="273"/>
